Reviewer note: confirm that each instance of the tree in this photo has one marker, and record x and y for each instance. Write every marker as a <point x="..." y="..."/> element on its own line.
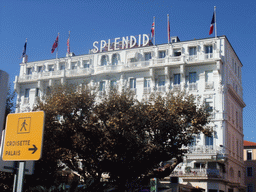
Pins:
<point x="6" y="179"/>
<point x="116" y="134"/>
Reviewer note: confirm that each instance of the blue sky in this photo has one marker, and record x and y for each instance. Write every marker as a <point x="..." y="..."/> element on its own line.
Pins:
<point x="93" y="20"/>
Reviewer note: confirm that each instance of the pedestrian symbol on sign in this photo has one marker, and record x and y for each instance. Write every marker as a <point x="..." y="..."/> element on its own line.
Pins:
<point x="24" y="125"/>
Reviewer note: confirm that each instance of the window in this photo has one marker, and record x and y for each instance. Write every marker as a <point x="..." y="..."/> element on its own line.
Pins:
<point x="50" y="68"/>
<point x="161" y="83"/>
<point x="26" y="96"/>
<point x="161" y="54"/>
<point x="208" y="49"/>
<point x="192" y="51"/>
<point x="250" y="187"/>
<point x="133" y="60"/>
<point x="29" y="71"/>
<point x="27" y="93"/>
<point x="199" y="165"/>
<point x="62" y="67"/>
<point x="86" y="64"/>
<point x="103" y="60"/>
<point x="208" y="80"/>
<point x="176" y="52"/>
<point x="40" y="69"/>
<point x="192" y="77"/>
<point x="147" y="82"/>
<point x="132" y="83"/>
<point x="147" y="56"/>
<point x="48" y="90"/>
<point x="193" y="141"/>
<point x="114" y="59"/>
<point x="37" y="92"/>
<point x="113" y="84"/>
<point x="176" y="79"/>
<point x="249" y="171"/>
<point x="73" y="66"/>
<point x="208" y="140"/>
<point x="209" y="107"/>
<point x="249" y="155"/>
<point x="102" y="86"/>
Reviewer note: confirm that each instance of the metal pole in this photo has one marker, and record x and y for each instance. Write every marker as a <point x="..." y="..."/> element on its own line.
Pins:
<point x="168" y="35"/>
<point x="20" y="176"/>
<point x="57" y="47"/>
<point x="154" y="30"/>
<point x="215" y="22"/>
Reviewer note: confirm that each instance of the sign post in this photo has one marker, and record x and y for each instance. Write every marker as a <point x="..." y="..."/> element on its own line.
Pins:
<point x="23" y="141"/>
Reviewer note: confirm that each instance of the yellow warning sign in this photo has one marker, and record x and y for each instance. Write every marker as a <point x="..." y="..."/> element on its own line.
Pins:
<point x="23" y="136"/>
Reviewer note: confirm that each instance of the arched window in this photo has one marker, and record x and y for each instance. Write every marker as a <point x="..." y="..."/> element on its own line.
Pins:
<point x="103" y="60"/>
<point x="115" y="59"/>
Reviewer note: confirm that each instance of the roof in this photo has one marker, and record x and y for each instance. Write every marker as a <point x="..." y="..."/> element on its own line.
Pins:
<point x="249" y="143"/>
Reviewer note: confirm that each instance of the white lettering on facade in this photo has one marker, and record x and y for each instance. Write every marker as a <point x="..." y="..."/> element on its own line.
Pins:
<point x="142" y="40"/>
<point x="145" y="40"/>
<point x="103" y="43"/>
<point x="96" y="48"/>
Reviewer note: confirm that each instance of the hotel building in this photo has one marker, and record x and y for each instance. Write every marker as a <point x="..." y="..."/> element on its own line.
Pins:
<point x="206" y="67"/>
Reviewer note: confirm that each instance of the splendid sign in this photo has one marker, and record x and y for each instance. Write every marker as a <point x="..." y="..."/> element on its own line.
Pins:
<point x="126" y="42"/>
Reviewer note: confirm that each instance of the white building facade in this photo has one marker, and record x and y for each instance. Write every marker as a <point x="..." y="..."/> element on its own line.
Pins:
<point x="207" y="67"/>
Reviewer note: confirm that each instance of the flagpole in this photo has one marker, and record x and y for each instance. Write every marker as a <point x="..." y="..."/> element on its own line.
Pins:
<point x="154" y="21"/>
<point x="215" y="22"/>
<point x="168" y="35"/>
<point x="57" y="47"/>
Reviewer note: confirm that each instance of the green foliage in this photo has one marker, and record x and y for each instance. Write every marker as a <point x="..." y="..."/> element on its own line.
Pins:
<point x="115" y="134"/>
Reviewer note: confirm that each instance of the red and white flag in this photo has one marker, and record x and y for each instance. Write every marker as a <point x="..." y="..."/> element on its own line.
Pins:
<point x="55" y="44"/>
<point x="153" y="30"/>
<point x="212" y="24"/>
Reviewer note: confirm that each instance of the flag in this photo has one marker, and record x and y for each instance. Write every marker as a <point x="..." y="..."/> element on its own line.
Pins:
<point x="24" y="49"/>
<point x="55" y="44"/>
<point x="169" y="30"/>
<point x="212" y="24"/>
<point x="152" y="30"/>
<point x="68" y="49"/>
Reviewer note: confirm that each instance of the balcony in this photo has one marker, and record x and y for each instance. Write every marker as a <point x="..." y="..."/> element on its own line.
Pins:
<point x="209" y="85"/>
<point x="176" y="87"/>
<point x="192" y="58"/>
<point x="78" y="72"/>
<point x="206" y="152"/>
<point x="192" y="86"/>
<point x="161" y="89"/>
<point x="108" y="68"/>
<point x="126" y="65"/>
<point x="196" y="173"/>
<point x="147" y="90"/>
<point x="139" y="64"/>
<point x="208" y="56"/>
